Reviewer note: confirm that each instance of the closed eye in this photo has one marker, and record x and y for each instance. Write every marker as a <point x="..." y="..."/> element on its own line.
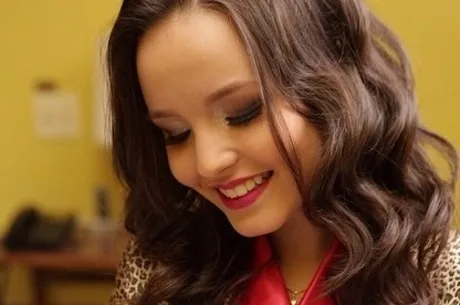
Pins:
<point x="172" y="137"/>
<point x="248" y="114"/>
<point x="176" y="138"/>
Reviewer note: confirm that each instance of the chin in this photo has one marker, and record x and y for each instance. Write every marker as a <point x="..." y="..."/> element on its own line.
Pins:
<point x="256" y="227"/>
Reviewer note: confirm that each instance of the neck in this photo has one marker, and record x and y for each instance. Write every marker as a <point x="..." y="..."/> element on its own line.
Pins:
<point x="301" y="247"/>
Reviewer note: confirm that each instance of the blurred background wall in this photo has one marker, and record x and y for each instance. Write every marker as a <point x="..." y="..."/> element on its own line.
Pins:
<point x="56" y="40"/>
<point x="51" y="40"/>
<point x="430" y="32"/>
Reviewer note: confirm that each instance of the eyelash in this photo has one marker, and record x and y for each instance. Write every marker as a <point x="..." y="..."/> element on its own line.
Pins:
<point x="250" y="113"/>
<point x="176" y="139"/>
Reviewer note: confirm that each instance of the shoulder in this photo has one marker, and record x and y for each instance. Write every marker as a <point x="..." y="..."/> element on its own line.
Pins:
<point x="446" y="275"/>
<point x="133" y="273"/>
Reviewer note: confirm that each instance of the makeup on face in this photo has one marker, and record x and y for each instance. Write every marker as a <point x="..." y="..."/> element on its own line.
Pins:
<point x="242" y="193"/>
<point x="237" y="109"/>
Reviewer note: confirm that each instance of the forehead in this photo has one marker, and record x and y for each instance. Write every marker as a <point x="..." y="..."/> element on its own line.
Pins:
<point x="191" y="53"/>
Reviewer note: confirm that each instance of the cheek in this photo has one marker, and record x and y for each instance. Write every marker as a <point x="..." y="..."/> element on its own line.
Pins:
<point x="181" y="165"/>
<point x="258" y="145"/>
<point x="306" y="140"/>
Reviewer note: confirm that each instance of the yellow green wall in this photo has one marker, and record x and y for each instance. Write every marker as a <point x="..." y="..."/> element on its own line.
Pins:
<point x="430" y="31"/>
<point x="50" y="39"/>
<point x="56" y="39"/>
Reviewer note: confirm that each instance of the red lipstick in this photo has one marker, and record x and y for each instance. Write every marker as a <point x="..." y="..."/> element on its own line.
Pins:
<point x="246" y="200"/>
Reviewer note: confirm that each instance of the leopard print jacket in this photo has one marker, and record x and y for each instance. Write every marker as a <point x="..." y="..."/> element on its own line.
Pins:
<point x="134" y="271"/>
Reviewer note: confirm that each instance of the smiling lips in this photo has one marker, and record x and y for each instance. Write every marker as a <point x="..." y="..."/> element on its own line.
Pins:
<point x="243" y="192"/>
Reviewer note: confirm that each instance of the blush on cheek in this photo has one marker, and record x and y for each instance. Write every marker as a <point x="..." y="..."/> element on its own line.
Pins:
<point x="305" y="137"/>
<point x="183" y="170"/>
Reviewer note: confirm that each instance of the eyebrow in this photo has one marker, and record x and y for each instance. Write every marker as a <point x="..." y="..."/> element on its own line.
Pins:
<point x="229" y="89"/>
<point x="213" y="97"/>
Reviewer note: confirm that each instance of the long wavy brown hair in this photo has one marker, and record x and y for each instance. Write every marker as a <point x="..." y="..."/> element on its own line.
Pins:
<point x="375" y="189"/>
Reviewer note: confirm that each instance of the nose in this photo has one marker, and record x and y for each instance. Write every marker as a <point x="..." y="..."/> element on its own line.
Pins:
<point x="215" y="156"/>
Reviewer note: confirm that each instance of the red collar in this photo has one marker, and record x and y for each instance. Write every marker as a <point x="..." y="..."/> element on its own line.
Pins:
<point x="268" y="286"/>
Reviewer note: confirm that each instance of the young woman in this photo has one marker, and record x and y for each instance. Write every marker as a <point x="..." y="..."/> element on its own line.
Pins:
<point x="272" y="154"/>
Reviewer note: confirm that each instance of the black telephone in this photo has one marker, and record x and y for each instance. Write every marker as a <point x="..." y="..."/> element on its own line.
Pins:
<point x="31" y="230"/>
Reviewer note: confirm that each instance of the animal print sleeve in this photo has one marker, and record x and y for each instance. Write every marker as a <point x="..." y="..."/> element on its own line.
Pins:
<point x="134" y="271"/>
<point x="446" y="276"/>
<point x="132" y="275"/>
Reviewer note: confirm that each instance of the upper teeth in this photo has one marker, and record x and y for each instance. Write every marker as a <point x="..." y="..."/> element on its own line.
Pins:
<point x="243" y="188"/>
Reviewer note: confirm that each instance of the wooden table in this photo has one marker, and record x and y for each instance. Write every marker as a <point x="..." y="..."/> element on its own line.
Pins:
<point x="88" y="258"/>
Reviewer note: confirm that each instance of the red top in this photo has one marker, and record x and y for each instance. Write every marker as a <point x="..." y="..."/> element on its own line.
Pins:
<point x="268" y="286"/>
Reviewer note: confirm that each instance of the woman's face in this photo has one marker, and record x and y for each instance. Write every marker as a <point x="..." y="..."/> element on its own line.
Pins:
<point x="201" y="91"/>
